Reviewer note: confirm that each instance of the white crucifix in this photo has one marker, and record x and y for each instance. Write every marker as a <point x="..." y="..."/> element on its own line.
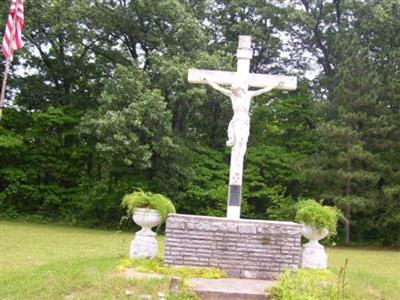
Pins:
<point x="240" y="95"/>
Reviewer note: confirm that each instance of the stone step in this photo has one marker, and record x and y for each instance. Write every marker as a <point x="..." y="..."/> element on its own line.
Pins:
<point x="230" y="288"/>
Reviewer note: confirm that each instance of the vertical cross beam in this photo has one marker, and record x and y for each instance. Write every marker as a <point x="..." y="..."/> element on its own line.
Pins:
<point x="244" y="54"/>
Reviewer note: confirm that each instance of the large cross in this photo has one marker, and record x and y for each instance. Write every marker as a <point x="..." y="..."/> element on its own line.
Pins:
<point x="238" y="130"/>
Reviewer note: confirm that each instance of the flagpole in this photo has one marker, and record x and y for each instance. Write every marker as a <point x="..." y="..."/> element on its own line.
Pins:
<point x="8" y="62"/>
<point x="3" y="87"/>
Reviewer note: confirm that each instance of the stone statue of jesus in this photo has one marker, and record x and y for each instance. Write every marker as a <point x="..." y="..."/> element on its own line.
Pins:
<point x="239" y="126"/>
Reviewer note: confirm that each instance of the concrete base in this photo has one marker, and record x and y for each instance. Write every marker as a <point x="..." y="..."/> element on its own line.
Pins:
<point x="249" y="249"/>
<point x="314" y="256"/>
<point x="144" y="246"/>
<point x="232" y="289"/>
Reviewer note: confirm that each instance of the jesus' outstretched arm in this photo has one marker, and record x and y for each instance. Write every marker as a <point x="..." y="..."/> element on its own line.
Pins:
<point x="265" y="90"/>
<point x="261" y="91"/>
<point x="219" y="88"/>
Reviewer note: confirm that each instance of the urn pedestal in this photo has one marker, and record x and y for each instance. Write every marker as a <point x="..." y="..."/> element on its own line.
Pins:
<point x="145" y="245"/>
<point x="314" y="255"/>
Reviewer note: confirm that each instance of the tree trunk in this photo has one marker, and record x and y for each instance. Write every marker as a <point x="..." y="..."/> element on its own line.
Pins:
<point x="347" y="212"/>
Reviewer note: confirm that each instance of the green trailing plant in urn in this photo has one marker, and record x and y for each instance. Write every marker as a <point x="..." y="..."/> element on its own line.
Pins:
<point x="141" y="199"/>
<point x="312" y="213"/>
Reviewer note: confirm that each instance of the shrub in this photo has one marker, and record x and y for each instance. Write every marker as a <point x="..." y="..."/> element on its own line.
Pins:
<point x="140" y="199"/>
<point x="306" y="284"/>
<point x="314" y="214"/>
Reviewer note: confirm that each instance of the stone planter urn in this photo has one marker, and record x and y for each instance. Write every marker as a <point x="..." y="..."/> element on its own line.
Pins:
<point x="314" y="255"/>
<point x="145" y="245"/>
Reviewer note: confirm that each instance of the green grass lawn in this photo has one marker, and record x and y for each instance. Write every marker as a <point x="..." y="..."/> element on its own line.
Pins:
<point x="375" y="273"/>
<point x="26" y="245"/>
<point x="54" y="262"/>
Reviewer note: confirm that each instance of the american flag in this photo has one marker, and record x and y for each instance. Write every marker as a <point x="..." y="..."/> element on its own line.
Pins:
<point x="12" y="39"/>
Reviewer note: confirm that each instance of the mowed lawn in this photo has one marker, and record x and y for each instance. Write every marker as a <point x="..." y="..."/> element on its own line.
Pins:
<point x="26" y="245"/>
<point x="375" y="273"/>
<point x="55" y="262"/>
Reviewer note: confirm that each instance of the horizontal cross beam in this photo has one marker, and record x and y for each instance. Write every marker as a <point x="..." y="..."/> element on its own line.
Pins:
<point x="280" y="82"/>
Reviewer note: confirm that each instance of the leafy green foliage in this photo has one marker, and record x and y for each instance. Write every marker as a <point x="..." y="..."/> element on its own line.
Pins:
<point x="156" y="266"/>
<point x="132" y="123"/>
<point x="282" y="208"/>
<point x="314" y="214"/>
<point x="206" y="190"/>
<point x="306" y="284"/>
<point x="140" y="199"/>
<point x="346" y="166"/>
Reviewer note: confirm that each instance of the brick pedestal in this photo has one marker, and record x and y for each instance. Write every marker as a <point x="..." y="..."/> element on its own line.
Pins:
<point x="243" y="248"/>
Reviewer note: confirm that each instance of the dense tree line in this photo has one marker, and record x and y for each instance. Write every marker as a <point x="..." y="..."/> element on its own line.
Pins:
<point x="101" y="105"/>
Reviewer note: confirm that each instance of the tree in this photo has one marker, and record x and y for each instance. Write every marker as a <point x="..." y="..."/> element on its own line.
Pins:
<point x="377" y="25"/>
<point x="345" y="170"/>
<point x="60" y="81"/>
<point x="132" y="124"/>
